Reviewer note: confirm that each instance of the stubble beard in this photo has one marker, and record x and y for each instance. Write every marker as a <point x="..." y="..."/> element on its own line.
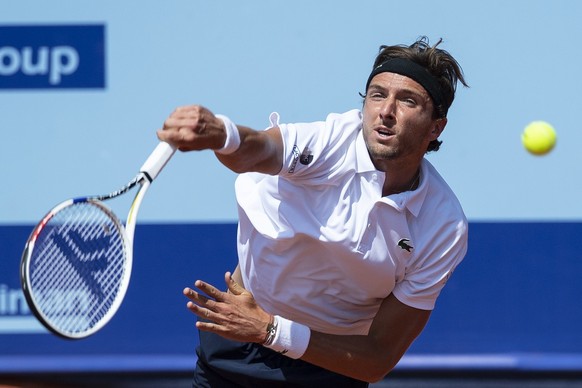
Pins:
<point x="381" y="152"/>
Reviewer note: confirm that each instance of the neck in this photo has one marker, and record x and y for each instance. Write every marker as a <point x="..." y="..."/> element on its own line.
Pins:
<point x="404" y="182"/>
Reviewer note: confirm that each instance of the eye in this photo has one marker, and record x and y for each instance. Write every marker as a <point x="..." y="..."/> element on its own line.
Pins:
<point x="409" y="101"/>
<point x="376" y="96"/>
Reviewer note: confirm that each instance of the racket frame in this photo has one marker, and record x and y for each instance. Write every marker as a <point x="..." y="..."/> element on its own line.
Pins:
<point x="148" y="172"/>
<point x="26" y="260"/>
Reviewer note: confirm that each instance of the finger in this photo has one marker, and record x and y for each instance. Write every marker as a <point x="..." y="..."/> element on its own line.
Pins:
<point x="162" y="135"/>
<point x="210" y="290"/>
<point x="210" y="327"/>
<point x="183" y="138"/>
<point x="198" y="298"/>
<point x="186" y="112"/>
<point x="232" y="285"/>
<point x="175" y="136"/>
<point x="189" y="293"/>
<point x="184" y="108"/>
<point x="203" y="313"/>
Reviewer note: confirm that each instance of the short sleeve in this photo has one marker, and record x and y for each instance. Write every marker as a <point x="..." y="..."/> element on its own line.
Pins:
<point x="426" y="276"/>
<point x="316" y="149"/>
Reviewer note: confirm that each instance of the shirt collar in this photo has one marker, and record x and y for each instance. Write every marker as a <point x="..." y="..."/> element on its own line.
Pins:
<point x="363" y="160"/>
<point x="412" y="200"/>
<point x="415" y="198"/>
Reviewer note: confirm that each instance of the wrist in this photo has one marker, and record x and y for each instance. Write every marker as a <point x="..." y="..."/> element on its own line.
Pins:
<point x="232" y="142"/>
<point x="271" y="331"/>
<point x="287" y="337"/>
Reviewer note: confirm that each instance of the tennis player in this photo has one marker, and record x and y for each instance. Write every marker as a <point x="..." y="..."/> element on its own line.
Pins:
<point x="346" y="237"/>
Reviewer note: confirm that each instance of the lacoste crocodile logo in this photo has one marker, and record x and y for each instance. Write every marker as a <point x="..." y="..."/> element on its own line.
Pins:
<point x="403" y="243"/>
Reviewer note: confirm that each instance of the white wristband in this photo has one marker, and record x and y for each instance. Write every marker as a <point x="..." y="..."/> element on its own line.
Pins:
<point x="232" y="142"/>
<point x="291" y="338"/>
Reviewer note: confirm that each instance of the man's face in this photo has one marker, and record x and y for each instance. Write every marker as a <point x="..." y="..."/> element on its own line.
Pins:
<point x="398" y="119"/>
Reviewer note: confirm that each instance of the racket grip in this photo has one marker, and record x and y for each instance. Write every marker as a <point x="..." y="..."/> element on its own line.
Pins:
<point x="157" y="160"/>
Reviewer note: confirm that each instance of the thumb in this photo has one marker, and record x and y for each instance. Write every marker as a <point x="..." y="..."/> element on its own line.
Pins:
<point x="232" y="285"/>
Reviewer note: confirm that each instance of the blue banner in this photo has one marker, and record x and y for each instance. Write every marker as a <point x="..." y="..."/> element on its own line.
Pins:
<point x="510" y="305"/>
<point x="52" y="57"/>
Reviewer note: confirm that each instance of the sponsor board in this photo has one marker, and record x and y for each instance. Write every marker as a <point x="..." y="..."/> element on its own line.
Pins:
<point x="52" y="56"/>
<point x="15" y="316"/>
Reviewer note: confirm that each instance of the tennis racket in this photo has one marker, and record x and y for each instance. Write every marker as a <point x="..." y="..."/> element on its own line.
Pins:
<point x="76" y="264"/>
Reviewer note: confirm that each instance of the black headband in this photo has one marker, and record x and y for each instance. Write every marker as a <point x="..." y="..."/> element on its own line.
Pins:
<point x="412" y="70"/>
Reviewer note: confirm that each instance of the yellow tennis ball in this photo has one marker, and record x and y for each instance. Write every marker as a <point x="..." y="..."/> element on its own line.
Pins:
<point x="538" y="137"/>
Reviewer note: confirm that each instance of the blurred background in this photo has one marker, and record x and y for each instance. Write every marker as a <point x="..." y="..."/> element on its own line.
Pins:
<point x="84" y="85"/>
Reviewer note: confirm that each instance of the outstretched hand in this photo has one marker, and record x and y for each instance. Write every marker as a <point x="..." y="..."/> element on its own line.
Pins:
<point x="234" y="315"/>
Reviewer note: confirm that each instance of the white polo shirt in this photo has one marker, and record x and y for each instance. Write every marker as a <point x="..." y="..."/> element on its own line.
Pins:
<point x="318" y="244"/>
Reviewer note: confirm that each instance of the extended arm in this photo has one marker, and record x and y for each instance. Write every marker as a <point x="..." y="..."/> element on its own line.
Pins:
<point x="194" y="127"/>
<point x="370" y="357"/>
<point x="235" y="315"/>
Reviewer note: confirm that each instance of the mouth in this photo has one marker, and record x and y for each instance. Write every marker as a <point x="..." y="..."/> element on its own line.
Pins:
<point x="385" y="132"/>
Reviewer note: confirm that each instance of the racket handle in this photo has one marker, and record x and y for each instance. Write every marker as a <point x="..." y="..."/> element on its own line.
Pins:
<point x="157" y="160"/>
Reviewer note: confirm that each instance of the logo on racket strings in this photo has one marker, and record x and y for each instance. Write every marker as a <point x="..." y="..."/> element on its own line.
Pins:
<point x="88" y="257"/>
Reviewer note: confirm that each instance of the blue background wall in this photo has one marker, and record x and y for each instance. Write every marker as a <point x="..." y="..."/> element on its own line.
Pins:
<point x="510" y="305"/>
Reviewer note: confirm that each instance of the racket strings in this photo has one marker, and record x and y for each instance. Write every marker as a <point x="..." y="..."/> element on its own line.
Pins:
<point x="78" y="266"/>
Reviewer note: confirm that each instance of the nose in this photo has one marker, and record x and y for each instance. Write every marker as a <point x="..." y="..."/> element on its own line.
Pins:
<point x="388" y="110"/>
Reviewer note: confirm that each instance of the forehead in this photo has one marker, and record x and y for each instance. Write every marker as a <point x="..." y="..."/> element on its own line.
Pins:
<point x="395" y="81"/>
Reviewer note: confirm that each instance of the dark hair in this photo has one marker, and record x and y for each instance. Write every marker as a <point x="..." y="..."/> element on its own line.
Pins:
<point x="439" y="63"/>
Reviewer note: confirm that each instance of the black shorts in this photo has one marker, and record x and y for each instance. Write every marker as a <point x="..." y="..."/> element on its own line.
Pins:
<point x="223" y="363"/>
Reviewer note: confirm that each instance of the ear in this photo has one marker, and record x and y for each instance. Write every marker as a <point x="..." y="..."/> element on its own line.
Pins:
<point x="439" y="127"/>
